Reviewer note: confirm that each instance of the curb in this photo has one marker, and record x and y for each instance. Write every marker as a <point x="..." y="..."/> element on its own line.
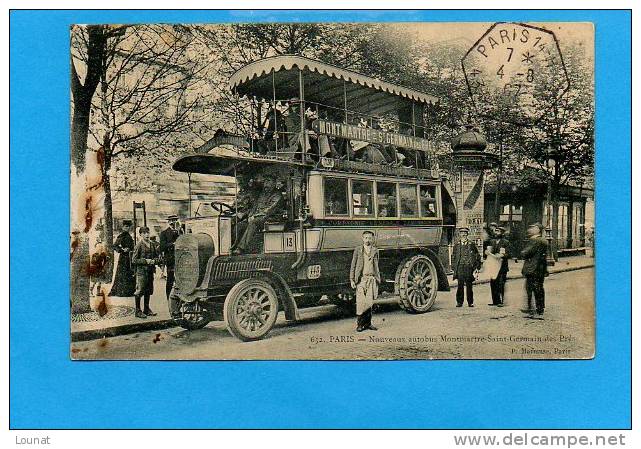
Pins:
<point x="520" y="276"/>
<point x="114" y="331"/>
<point x="143" y="326"/>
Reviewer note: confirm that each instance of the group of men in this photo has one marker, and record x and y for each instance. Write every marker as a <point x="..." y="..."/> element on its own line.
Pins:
<point x="467" y="261"/>
<point x="365" y="275"/>
<point x="286" y="127"/>
<point x="137" y="263"/>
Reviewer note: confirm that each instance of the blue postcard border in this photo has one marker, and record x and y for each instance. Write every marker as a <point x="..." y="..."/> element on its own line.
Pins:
<point x="49" y="391"/>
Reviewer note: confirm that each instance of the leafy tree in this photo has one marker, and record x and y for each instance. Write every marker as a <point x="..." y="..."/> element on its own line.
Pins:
<point x="144" y="81"/>
<point x="565" y="125"/>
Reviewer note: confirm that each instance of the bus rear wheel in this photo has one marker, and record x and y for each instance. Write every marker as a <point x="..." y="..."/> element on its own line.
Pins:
<point x="250" y="310"/>
<point x="417" y="284"/>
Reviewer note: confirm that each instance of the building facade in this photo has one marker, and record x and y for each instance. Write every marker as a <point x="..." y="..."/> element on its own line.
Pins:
<point x="519" y="206"/>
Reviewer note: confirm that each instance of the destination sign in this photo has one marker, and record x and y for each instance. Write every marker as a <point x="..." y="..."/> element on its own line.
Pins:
<point x="225" y="139"/>
<point x="372" y="135"/>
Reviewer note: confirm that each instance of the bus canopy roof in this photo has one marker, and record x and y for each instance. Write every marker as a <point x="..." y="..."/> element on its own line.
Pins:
<point x="225" y="161"/>
<point x="325" y="84"/>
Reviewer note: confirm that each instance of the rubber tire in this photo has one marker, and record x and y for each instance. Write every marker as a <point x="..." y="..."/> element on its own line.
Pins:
<point x="230" y="303"/>
<point x="402" y="283"/>
<point x="186" y="324"/>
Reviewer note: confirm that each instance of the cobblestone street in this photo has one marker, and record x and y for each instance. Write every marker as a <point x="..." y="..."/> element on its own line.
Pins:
<point x="446" y="332"/>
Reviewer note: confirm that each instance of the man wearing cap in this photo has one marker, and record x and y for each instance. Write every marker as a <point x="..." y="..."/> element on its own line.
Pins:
<point x="466" y="260"/>
<point x="144" y="258"/>
<point x="124" y="283"/>
<point x="535" y="268"/>
<point x="167" y="240"/>
<point x="498" y="248"/>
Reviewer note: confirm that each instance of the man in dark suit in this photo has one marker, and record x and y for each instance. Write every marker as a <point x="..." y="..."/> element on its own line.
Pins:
<point x="499" y="249"/>
<point x="535" y="269"/>
<point x="365" y="277"/>
<point x="168" y="239"/>
<point x="466" y="260"/>
<point x="145" y="258"/>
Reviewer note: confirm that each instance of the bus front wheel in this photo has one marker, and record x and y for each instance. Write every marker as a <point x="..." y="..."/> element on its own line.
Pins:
<point x="250" y="310"/>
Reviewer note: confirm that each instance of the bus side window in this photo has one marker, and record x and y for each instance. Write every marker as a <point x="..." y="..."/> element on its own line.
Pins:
<point x="409" y="200"/>
<point x="335" y="196"/>
<point x="428" y="201"/>
<point x="386" y="199"/>
<point x="362" y="198"/>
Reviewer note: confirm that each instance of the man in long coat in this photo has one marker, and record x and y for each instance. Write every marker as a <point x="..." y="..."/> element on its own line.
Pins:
<point x="145" y="258"/>
<point x="168" y="239"/>
<point x="365" y="277"/>
<point x="466" y="260"/>
<point x="500" y="250"/>
<point x="535" y="268"/>
<point x="124" y="283"/>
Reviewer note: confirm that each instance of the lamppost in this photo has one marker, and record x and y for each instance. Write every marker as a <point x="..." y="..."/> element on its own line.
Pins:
<point x="581" y="215"/>
<point x="551" y="165"/>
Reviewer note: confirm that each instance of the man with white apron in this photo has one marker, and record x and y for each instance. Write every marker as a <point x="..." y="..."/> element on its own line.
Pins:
<point x="365" y="277"/>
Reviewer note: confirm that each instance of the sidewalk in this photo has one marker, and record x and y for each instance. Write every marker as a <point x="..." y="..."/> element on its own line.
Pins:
<point x="121" y="320"/>
<point x="112" y="324"/>
<point x="564" y="264"/>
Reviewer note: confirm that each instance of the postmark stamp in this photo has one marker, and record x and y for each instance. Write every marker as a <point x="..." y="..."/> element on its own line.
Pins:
<point x="512" y="69"/>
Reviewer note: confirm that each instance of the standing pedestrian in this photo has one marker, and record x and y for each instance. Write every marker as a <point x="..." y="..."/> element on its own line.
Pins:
<point x="168" y="239"/>
<point x="466" y="261"/>
<point x="489" y="234"/>
<point x="364" y="276"/>
<point x="124" y="283"/>
<point x="145" y="258"/>
<point x="498" y="249"/>
<point x="535" y="268"/>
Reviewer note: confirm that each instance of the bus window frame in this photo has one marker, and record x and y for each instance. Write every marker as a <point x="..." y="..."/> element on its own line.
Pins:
<point x="395" y="217"/>
<point x="417" y="209"/>
<point x="437" y="201"/>
<point x="351" y="196"/>
<point x="359" y="177"/>
<point x="348" y="199"/>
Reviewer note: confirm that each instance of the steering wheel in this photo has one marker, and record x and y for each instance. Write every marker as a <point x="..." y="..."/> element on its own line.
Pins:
<point x="222" y="208"/>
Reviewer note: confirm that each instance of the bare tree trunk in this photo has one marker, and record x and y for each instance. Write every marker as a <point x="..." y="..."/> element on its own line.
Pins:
<point x="108" y="211"/>
<point x="79" y="273"/>
<point x="555" y="219"/>
<point x="80" y="130"/>
<point x="82" y="94"/>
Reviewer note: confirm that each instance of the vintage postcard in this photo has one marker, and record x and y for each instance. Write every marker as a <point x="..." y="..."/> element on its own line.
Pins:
<point x="332" y="191"/>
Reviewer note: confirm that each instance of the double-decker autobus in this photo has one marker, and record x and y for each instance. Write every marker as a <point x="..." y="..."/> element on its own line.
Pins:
<point x="348" y="153"/>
